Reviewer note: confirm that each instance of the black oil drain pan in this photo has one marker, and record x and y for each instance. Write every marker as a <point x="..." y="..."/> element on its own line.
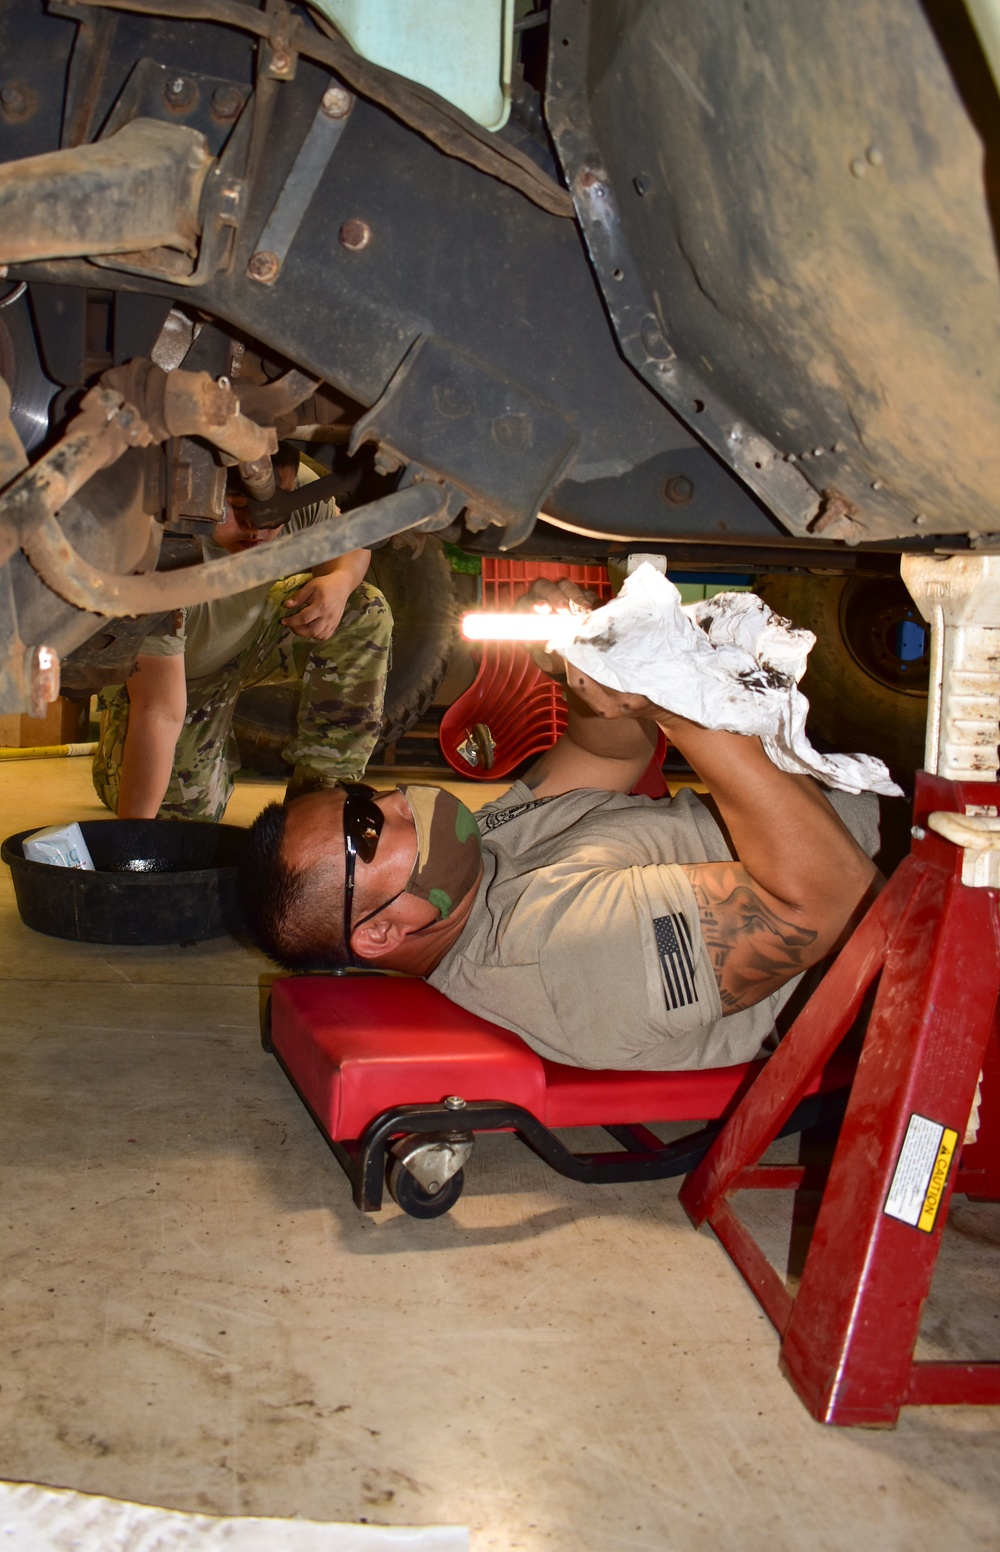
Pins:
<point x="156" y="881"/>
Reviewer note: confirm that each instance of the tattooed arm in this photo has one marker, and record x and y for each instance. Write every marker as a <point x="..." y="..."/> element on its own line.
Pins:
<point x="801" y="882"/>
<point x="753" y="950"/>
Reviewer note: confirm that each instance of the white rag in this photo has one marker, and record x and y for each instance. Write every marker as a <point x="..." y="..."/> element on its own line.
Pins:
<point x="726" y="662"/>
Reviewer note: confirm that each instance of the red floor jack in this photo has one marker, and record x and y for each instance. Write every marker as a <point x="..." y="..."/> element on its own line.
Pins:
<point x="924" y="1112"/>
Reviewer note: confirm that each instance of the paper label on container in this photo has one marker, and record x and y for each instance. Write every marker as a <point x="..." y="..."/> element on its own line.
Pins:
<point x="62" y="846"/>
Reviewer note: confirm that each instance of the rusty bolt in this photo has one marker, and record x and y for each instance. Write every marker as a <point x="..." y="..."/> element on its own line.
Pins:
<point x="591" y="182"/>
<point x="14" y="100"/>
<point x="264" y="266"/>
<point x="677" y="490"/>
<point x="355" y="235"/>
<point x="512" y="433"/>
<point x="41" y="672"/>
<point x="226" y="102"/>
<point x="337" y="102"/>
<point x="281" y="62"/>
<point x="177" y="92"/>
<point x="452" y="400"/>
<point x="385" y="463"/>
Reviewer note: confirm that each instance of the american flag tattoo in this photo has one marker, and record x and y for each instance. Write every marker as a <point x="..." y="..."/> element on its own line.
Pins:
<point x="673" y="940"/>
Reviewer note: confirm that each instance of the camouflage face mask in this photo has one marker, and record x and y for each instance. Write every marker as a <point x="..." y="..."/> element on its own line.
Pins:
<point x="449" y="849"/>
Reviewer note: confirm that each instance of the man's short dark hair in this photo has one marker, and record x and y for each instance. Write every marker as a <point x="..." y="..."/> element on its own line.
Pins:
<point x="287" y="456"/>
<point x="287" y="915"/>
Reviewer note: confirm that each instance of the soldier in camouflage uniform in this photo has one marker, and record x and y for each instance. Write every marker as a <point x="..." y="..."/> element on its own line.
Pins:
<point x="340" y="710"/>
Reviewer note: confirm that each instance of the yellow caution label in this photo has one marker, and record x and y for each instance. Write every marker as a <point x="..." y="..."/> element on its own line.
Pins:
<point x="921" y="1173"/>
<point x="938" y="1180"/>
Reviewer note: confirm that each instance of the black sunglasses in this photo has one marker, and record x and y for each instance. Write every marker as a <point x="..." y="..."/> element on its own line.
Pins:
<point x="363" y="821"/>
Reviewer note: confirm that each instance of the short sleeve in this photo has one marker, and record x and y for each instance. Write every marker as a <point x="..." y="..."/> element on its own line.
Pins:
<point x="163" y="644"/>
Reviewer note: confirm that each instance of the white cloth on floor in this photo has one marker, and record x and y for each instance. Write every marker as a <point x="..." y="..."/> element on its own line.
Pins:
<point x="45" y="1519"/>
<point x="726" y="662"/>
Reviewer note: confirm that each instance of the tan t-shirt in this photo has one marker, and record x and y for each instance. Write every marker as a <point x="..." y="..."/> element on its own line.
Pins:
<point x="214" y="633"/>
<point x="585" y="939"/>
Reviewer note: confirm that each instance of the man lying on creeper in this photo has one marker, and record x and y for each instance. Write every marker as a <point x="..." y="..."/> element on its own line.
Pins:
<point x="606" y="930"/>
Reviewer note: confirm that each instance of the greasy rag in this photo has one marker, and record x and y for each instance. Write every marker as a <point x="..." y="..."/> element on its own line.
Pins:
<point x="726" y="662"/>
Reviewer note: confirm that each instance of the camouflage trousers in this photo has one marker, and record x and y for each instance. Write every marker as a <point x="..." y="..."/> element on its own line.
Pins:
<point x="339" y="713"/>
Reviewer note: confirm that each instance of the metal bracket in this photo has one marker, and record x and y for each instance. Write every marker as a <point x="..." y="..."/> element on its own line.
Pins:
<point x="301" y="184"/>
<point x="979" y="838"/>
<point x="481" y="432"/>
<point x="219" y="214"/>
<point x="433" y="1161"/>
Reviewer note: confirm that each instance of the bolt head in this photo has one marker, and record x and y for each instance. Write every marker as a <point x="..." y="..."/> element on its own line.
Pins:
<point x="178" y="92"/>
<point x="264" y="267"/>
<point x="355" y="235"/>
<point x="677" y="490"/>
<point x="337" y="102"/>
<point x="17" y="102"/>
<point x="226" y="102"/>
<point x="512" y="433"/>
<point x="281" y="62"/>
<point x="454" y="1102"/>
<point x="590" y="181"/>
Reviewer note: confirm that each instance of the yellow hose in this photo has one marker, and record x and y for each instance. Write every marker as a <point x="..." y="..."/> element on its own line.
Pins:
<point x="47" y="751"/>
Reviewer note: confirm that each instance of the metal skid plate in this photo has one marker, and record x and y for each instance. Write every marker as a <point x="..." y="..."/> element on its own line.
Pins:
<point x="493" y="438"/>
<point x="796" y="251"/>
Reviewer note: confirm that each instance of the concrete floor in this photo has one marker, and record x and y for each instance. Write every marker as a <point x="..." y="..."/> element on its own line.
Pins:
<point x="194" y="1315"/>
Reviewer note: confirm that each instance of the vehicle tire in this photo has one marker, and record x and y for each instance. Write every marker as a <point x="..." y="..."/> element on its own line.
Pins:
<point x="407" y="1192"/>
<point x="867" y="678"/>
<point x="421" y="594"/>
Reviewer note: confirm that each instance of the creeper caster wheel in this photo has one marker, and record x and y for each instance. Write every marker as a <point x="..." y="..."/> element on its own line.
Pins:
<point x="425" y="1173"/>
